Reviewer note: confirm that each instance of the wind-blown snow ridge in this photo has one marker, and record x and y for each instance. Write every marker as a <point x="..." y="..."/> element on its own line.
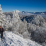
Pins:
<point x="15" y="40"/>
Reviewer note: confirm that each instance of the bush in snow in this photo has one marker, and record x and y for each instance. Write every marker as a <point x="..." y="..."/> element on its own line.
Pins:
<point x="39" y="35"/>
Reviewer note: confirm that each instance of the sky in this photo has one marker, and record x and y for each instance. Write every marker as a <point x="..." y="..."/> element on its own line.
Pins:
<point x="23" y="5"/>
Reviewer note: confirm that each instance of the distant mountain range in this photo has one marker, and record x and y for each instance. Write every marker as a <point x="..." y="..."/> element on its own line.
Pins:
<point x="23" y="13"/>
<point x="43" y="14"/>
<point x="37" y="12"/>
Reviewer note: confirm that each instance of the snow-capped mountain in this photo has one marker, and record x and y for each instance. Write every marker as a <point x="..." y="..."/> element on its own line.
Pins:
<point x="11" y="39"/>
<point x="31" y="27"/>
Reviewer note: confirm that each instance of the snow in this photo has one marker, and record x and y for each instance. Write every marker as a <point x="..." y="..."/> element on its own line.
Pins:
<point x="11" y="39"/>
<point x="17" y="11"/>
<point x="25" y="13"/>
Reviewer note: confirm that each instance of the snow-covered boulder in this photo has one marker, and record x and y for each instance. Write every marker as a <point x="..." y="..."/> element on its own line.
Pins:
<point x="12" y="39"/>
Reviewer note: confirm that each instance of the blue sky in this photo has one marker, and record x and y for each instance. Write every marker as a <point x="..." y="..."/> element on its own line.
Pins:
<point x="23" y="5"/>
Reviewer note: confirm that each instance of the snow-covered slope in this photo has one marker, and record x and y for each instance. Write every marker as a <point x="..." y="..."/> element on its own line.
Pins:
<point x="15" y="40"/>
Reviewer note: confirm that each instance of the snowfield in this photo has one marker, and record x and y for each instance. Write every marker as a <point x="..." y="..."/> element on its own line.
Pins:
<point x="11" y="39"/>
